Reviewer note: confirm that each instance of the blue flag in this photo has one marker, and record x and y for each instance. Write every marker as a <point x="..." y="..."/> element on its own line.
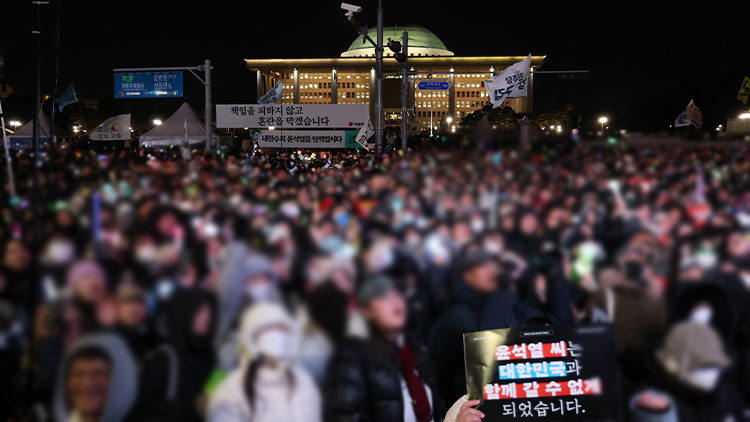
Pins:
<point x="68" y="97"/>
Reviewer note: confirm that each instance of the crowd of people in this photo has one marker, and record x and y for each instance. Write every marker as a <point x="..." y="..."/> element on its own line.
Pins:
<point x="336" y="286"/>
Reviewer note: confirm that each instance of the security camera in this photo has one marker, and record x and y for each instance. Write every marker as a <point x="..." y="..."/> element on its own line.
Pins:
<point x="350" y="8"/>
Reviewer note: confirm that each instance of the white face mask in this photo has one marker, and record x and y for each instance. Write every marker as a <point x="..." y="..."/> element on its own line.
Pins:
<point x="145" y="254"/>
<point x="745" y="279"/>
<point x="60" y="252"/>
<point x="477" y="225"/>
<point x="275" y="344"/>
<point x="704" y="379"/>
<point x="260" y="292"/>
<point x="702" y="314"/>
<point x="493" y="247"/>
<point x="705" y="260"/>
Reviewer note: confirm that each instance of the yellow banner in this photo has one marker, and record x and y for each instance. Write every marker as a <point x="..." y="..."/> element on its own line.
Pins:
<point x="744" y="91"/>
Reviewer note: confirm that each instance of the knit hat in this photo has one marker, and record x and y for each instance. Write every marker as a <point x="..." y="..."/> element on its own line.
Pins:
<point x="689" y="346"/>
<point x="373" y="287"/>
<point x="83" y="269"/>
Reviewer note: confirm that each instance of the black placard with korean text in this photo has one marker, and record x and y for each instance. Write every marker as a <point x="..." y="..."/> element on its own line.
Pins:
<point x="565" y="373"/>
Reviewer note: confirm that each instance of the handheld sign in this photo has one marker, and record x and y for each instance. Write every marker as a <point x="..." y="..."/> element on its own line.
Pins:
<point x="561" y="373"/>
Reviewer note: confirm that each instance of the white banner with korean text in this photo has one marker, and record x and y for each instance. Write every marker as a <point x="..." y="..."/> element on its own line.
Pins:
<point x="289" y="116"/>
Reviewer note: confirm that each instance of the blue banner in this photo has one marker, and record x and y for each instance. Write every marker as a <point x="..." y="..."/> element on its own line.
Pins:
<point x="148" y="85"/>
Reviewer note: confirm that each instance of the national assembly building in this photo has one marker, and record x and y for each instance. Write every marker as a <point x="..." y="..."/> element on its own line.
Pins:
<point x="350" y="79"/>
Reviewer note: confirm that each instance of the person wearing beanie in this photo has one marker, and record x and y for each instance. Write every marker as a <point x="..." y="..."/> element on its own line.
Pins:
<point x="689" y="371"/>
<point x="387" y="376"/>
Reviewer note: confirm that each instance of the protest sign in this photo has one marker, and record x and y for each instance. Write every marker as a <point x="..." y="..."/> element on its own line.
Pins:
<point x="564" y="373"/>
<point x="290" y="116"/>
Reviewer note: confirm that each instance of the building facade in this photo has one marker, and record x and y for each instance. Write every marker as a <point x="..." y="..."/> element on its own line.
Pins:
<point x="350" y="79"/>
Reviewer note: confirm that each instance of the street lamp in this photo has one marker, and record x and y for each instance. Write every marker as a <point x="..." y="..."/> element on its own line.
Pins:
<point x="157" y="122"/>
<point x="75" y="129"/>
<point x="449" y="120"/>
<point x="15" y="124"/>
<point x="745" y="116"/>
<point x="603" y="120"/>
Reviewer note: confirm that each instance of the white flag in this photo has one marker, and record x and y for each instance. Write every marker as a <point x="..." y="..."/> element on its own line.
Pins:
<point x="185" y="147"/>
<point x="510" y="83"/>
<point x="273" y="96"/>
<point x="365" y="133"/>
<point x="114" y="128"/>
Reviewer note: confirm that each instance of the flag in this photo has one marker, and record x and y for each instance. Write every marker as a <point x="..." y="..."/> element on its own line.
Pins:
<point x="273" y="96"/>
<point x="510" y="83"/>
<point x="365" y="133"/>
<point x="185" y="147"/>
<point x="68" y="97"/>
<point x="114" y="128"/>
<point x="744" y="91"/>
<point x="691" y="116"/>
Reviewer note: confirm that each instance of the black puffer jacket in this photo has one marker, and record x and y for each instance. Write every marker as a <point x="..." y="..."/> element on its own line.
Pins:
<point x="364" y="383"/>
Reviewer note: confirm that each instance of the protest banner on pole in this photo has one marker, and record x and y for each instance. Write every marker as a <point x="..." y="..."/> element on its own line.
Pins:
<point x="565" y="373"/>
<point x="510" y="83"/>
<point x="273" y="96"/>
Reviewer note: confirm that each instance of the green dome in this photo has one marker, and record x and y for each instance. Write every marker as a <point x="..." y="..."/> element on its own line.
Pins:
<point x="422" y="42"/>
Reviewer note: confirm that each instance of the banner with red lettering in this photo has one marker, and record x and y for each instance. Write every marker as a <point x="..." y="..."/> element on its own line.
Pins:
<point x="562" y="373"/>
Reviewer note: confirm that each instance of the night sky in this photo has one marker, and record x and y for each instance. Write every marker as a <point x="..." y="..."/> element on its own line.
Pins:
<point x="647" y="60"/>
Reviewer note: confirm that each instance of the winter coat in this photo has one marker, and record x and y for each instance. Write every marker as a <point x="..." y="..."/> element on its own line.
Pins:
<point x="275" y="401"/>
<point x="363" y="386"/>
<point x="285" y="394"/>
<point x="175" y="374"/>
<point x="123" y="383"/>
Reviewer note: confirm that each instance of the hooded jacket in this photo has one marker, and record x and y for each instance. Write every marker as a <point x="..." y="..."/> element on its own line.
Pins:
<point x="123" y="383"/>
<point x="276" y="397"/>
<point x="174" y="376"/>
<point x="240" y="263"/>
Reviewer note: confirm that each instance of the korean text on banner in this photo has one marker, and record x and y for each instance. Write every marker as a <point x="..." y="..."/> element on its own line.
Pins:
<point x="291" y="116"/>
<point x="113" y="129"/>
<point x="303" y="138"/>
<point x="562" y="373"/>
<point x="510" y="83"/>
<point x="365" y="133"/>
<point x="273" y="96"/>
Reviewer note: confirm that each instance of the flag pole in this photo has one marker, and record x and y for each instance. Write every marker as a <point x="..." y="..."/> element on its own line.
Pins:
<point x="57" y="72"/>
<point x="7" y="154"/>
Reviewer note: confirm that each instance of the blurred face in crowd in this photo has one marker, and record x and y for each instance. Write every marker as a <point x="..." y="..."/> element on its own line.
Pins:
<point x="387" y="312"/>
<point x="483" y="277"/>
<point x="259" y="287"/>
<point x="90" y="288"/>
<point x="131" y="312"/>
<point x="202" y="320"/>
<point x="88" y="386"/>
<point x="529" y="224"/>
<point x="16" y="256"/>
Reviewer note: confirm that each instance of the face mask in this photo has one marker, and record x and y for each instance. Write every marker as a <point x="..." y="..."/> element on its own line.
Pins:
<point x="275" y="344"/>
<point x="745" y="279"/>
<point x="704" y="379"/>
<point x="493" y="247"/>
<point x="705" y="260"/>
<point x="290" y="210"/>
<point x="60" y="252"/>
<point x="145" y="254"/>
<point x="702" y="315"/>
<point x="260" y="292"/>
<point x="477" y="225"/>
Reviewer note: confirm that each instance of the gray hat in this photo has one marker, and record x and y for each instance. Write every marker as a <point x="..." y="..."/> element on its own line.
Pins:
<point x="373" y="287"/>
<point x="688" y="346"/>
<point x="476" y="258"/>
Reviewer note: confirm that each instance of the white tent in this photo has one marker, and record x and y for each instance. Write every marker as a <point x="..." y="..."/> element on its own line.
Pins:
<point x="171" y="131"/>
<point x="25" y="134"/>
